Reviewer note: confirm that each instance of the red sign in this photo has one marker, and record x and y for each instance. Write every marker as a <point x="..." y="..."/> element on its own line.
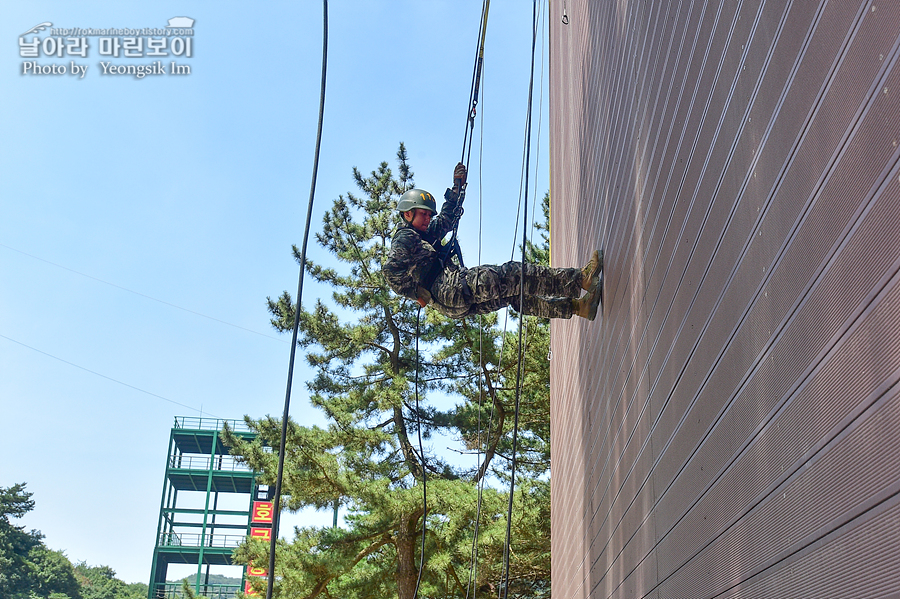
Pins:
<point x="248" y="590"/>
<point x="254" y="571"/>
<point x="262" y="512"/>
<point x="263" y="534"/>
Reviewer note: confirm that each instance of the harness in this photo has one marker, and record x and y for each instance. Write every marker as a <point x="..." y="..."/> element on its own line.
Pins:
<point x="444" y="253"/>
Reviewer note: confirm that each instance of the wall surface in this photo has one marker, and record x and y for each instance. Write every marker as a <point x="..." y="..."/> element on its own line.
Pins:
<point x="729" y="426"/>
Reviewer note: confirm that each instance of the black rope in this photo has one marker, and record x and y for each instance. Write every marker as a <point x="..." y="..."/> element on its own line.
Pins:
<point x="476" y="83"/>
<point x="452" y="249"/>
<point x="479" y="484"/>
<point x="504" y="590"/>
<point x="287" y="395"/>
<point x="422" y="453"/>
<point x="453" y="244"/>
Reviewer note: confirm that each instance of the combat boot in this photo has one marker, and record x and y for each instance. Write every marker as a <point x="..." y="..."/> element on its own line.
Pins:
<point x="594" y="267"/>
<point x="586" y="306"/>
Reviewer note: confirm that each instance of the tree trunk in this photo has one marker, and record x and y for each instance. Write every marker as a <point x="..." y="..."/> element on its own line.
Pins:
<point x="407" y="572"/>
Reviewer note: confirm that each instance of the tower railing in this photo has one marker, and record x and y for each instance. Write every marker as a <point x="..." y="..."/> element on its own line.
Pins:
<point x="225" y="463"/>
<point x="173" y="590"/>
<point x="171" y="539"/>
<point x="209" y="424"/>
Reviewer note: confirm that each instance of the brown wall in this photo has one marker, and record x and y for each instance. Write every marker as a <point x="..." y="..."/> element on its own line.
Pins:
<point x="729" y="426"/>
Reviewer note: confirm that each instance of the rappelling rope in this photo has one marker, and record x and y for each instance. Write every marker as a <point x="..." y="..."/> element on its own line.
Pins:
<point x="476" y="83"/>
<point x="504" y="589"/>
<point x="540" y="122"/>
<point x="466" y="155"/>
<point x="470" y="587"/>
<point x="473" y="557"/>
<point x="465" y="158"/>
<point x="453" y="244"/>
<point x="287" y="396"/>
<point x="421" y="453"/>
<point x="453" y="248"/>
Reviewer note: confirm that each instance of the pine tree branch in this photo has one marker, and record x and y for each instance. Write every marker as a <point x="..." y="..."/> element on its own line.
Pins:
<point x="409" y="453"/>
<point x="320" y="586"/>
<point x="382" y="425"/>
<point x="519" y="460"/>
<point x="501" y="413"/>
<point x="450" y="568"/>
<point x="376" y="346"/>
<point x="395" y="336"/>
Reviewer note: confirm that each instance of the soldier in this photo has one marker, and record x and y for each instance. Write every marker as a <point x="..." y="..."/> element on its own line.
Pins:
<point x="420" y="267"/>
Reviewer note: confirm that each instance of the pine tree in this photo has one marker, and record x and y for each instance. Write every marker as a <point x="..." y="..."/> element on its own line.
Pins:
<point x="362" y="346"/>
<point x="16" y="570"/>
<point x="28" y="569"/>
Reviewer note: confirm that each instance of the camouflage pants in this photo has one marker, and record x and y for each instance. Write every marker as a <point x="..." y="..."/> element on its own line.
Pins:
<point x="548" y="291"/>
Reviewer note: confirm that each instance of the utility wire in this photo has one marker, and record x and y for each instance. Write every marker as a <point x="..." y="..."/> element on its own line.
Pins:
<point x="287" y="394"/>
<point x="171" y="305"/>
<point x="109" y="378"/>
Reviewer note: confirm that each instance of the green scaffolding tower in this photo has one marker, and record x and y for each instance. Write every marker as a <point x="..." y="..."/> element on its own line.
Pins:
<point x="206" y="506"/>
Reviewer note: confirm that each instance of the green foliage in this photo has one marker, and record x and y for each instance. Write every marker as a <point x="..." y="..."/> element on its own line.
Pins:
<point x="540" y="253"/>
<point x="213" y="579"/>
<point x="29" y="570"/>
<point x="187" y="591"/>
<point x="16" y="570"/>
<point x="100" y="582"/>
<point x="362" y="345"/>
<point x="135" y="590"/>
<point x="53" y="575"/>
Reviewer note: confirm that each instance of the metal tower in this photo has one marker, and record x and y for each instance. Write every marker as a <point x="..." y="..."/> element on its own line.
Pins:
<point x="209" y="502"/>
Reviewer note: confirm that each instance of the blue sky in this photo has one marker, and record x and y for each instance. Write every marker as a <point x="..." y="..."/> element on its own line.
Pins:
<point x="143" y="222"/>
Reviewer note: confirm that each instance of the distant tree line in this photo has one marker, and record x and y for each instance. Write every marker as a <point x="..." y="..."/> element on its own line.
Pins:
<point x="30" y="570"/>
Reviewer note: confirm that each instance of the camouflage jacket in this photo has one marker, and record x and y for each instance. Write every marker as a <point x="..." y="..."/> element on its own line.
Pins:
<point x="415" y="258"/>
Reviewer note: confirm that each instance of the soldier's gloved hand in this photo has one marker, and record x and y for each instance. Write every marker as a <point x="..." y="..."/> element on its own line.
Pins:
<point x="459" y="177"/>
<point x="423" y="295"/>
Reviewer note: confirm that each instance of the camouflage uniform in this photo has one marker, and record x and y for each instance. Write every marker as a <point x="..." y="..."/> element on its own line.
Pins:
<point x="548" y="291"/>
<point x="416" y="260"/>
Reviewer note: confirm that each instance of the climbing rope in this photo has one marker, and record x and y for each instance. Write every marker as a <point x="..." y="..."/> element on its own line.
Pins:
<point x="473" y="556"/>
<point x="476" y="84"/>
<point x="454" y="248"/>
<point x="471" y="584"/>
<point x="287" y="396"/>
<point x="422" y="454"/>
<point x="453" y="244"/>
<point x="504" y="589"/>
